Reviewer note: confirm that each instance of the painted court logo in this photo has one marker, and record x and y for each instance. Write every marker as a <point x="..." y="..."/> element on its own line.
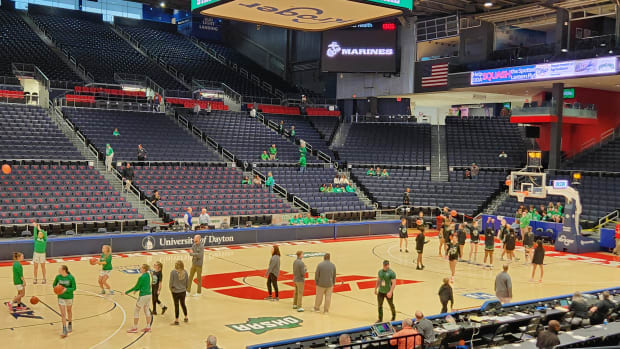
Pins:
<point x="261" y="325"/>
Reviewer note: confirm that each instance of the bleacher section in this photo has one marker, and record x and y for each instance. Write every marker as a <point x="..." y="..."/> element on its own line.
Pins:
<point x="101" y="51"/>
<point x="245" y="137"/>
<point x="178" y="51"/>
<point x="481" y="140"/>
<point x="306" y="186"/>
<point x="303" y="130"/>
<point x="465" y="196"/>
<point x="326" y="126"/>
<point x="159" y="135"/>
<point x="28" y="133"/>
<point x="19" y="44"/>
<point x="376" y="143"/>
<point x="219" y="189"/>
<point x="599" y="196"/>
<point x="190" y="103"/>
<point x="59" y="196"/>
<point x="606" y="158"/>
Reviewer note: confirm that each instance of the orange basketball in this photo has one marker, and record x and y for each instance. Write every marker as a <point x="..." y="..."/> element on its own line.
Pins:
<point x="34" y="300"/>
<point x="6" y="169"/>
<point x="419" y="222"/>
<point x="453" y="213"/>
<point x="59" y="289"/>
<point x="508" y="182"/>
<point x="93" y="261"/>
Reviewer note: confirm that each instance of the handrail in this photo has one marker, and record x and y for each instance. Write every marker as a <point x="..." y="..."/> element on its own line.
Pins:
<point x="587" y="144"/>
<point x="323" y="156"/>
<point x="301" y="203"/>
<point x="280" y="190"/>
<point x="227" y="154"/>
<point x="609" y="217"/>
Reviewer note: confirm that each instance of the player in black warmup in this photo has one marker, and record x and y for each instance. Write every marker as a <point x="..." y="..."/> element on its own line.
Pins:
<point x="156" y="278"/>
<point x="419" y="247"/>
<point x="453" y="255"/>
<point x="510" y="243"/>
<point x="462" y="238"/>
<point x="403" y="235"/>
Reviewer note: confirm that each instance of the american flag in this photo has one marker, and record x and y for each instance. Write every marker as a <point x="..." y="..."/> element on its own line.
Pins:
<point x="438" y="75"/>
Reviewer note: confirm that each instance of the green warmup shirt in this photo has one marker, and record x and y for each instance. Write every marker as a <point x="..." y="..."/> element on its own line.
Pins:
<point x="560" y="209"/>
<point x="18" y="273"/>
<point x="302" y="151"/>
<point x="68" y="282"/>
<point x="107" y="260"/>
<point x="264" y="156"/>
<point x="39" y="244"/>
<point x="269" y="181"/>
<point x="302" y="161"/>
<point x="273" y="151"/>
<point x="385" y="280"/>
<point x="322" y="189"/>
<point x="292" y="221"/>
<point x="293" y="133"/>
<point x="537" y="217"/>
<point x="143" y="285"/>
<point x="109" y="151"/>
<point x="245" y="182"/>
<point x="370" y="173"/>
<point x="525" y="220"/>
<point x="306" y="220"/>
<point x="116" y="133"/>
<point x="350" y="189"/>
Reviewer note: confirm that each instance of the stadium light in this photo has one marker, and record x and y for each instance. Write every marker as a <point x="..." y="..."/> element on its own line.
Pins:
<point x="576" y="177"/>
<point x="488" y="4"/>
<point x="162" y="4"/>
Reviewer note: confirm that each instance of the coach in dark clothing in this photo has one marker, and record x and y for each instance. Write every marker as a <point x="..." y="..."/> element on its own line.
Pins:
<point x="406" y="197"/>
<point x="127" y="176"/>
<point x="601" y="309"/>
<point x="141" y="153"/>
<point x="549" y="338"/>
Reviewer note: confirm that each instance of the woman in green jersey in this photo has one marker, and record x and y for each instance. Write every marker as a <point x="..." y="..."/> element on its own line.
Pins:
<point x="65" y="298"/>
<point x="143" y="286"/>
<point x="106" y="268"/>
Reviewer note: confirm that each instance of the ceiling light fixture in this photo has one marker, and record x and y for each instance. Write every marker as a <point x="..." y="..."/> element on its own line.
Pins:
<point x="162" y="4"/>
<point x="488" y="4"/>
<point x="564" y="50"/>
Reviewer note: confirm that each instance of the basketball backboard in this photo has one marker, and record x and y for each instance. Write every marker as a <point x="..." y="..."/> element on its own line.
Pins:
<point x="527" y="184"/>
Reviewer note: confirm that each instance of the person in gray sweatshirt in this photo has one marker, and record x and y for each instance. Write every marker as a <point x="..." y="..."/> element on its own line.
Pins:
<point x="272" y="273"/>
<point x="197" y="253"/>
<point x="325" y="278"/>
<point x="178" y="283"/>
<point x="299" y="278"/>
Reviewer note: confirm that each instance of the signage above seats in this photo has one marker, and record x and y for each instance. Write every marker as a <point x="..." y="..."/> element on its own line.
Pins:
<point x="359" y="51"/>
<point x="557" y="70"/>
<point x="317" y="15"/>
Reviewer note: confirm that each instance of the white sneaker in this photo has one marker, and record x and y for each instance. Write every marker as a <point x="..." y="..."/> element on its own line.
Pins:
<point x="300" y="310"/>
<point x="196" y="295"/>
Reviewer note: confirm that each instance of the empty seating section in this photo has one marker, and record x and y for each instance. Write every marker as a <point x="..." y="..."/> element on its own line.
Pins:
<point x="19" y="44"/>
<point x="599" y="196"/>
<point x="306" y="186"/>
<point x="179" y="52"/>
<point x="277" y="109"/>
<point x="605" y="158"/>
<point x="159" y="135"/>
<point x="322" y="112"/>
<point x="326" y="126"/>
<point x="101" y="51"/>
<point x="245" y="137"/>
<point x="464" y="196"/>
<point x="52" y="194"/>
<point x="303" y="130"/>
<point x="481" y="140"/>
<point x="190" y="103"/>
<point x="218" y="189"/>
<point x="28" y="133"/>
<point x="100" y="91"/>
<point x="387" y="144"/>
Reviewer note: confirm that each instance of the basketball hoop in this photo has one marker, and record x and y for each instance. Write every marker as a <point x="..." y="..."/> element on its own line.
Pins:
<point x="521" y="195"/>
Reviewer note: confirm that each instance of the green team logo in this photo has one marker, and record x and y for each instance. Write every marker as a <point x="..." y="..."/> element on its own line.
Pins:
<point x="261" y="325"/>
<point x="309" y="254"/>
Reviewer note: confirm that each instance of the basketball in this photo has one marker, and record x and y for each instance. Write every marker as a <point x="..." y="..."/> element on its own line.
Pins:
<point x="6" y="169"/>
<point x="34" y="300"/>
<point x="508" y="182"/>
<point x="419" y="222"/>
<point x="92" y="261"/>
<point x="59" y="289"/>
<point x="453" y="213"/>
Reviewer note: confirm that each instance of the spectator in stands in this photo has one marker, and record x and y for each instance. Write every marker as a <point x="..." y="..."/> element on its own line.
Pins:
<point x="187" y="219"/>
<point x="208" y="109"/>
<point x="425" y="327"/>
<point x="197" y="252"/>
<point x="253" y="111"/>
<point x="339" y="189"/>
<point x="272" y="273"/>
<point x="116" y="133"/>
<point x="559" y="208"/>
<point x="256" y="181"/>
<point x="212" y="342"/>
<point x="324" y="278"/>
<point x="281" y="127"/>
<point x="378" y="171"/>
<point x="109" y="156"/>
<point x="349" y="189"/>
<point x="407" y="330"/>
<point x="505" y="112"/>
<point x="475" y="170"/>
<point x="370" y="172"/>
<point x="196" y="109"/>
<point x="330" y="188"/>
<point x="128" y="176"/>
<point x="246" y="181"/>
<point x="142" y="153"/>
<point x="155" y="197"/>
<point x="264" y="156"/>
<point x="579" y="307"/>
<point x="336" y="180"/>
<point x="269" y="182"/>
<point x="344" y="180"/>
<point x="291" y="133"/>
<point x="302" y="148"/>
<point x="385" y="173"/>
<point x="503" y="286"/>
<point x="502" y="155"/>
<point x="599" y="312"/>
<point x="302" y="164"/>
<point x="273" y="152"/>
<point x="384" y="289"/>
<point x="204" y="220"/>
<point x="323" y="188"/>
<point x="344" y="339"/>
<point x="446" y="295"/>
<point x="406" y="197"/>
<point x="299" y="278"/>
<point x="549" y="339"/>
<point x="467" y="174"/>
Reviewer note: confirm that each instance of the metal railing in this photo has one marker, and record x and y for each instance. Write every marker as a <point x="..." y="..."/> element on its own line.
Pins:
<point x="612" y="216"/>
<point x="228" y="155"/>
<point x="260" y="100"/>
<point x="301" y="203"/>
<point x="9" y="80"/>
<point x="385" y="119"/>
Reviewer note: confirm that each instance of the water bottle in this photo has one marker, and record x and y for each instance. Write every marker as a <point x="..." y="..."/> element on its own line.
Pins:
<point x="605" y="323"/>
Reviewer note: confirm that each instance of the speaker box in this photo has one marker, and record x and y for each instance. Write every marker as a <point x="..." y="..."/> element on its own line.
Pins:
<point x="532" y="132"/>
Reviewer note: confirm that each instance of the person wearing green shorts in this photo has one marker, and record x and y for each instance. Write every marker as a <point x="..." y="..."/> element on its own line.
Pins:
<point x="143" y="286"/>
<point x="65" y="298"/>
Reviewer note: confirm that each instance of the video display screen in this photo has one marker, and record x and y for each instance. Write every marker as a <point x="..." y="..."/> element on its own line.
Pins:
<point x="359" y="51"/>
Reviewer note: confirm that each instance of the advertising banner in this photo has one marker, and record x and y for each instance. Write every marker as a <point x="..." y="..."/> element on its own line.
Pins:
<point x="359" y="51"/>
<point x="568" y="69"/>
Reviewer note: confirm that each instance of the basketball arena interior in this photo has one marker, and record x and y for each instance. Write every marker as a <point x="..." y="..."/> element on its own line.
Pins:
<point x="372" y="131"/>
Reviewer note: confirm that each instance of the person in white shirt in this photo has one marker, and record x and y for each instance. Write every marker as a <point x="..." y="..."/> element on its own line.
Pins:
<point x="204" y="219"/>
<point x="253" y="112"/>
<point x="196" y="109"/>
<point x="208" y="109"/>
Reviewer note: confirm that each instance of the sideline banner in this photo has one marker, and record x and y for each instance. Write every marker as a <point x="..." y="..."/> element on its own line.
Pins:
<point x="91" y="244"/>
